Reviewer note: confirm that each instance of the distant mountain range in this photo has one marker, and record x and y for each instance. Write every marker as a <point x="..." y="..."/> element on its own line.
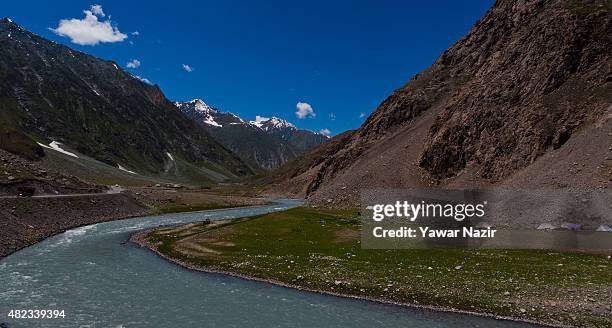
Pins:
<point x="264" y="143"/>
<point x="56" y="100"/>
<point x="59" y="101"/>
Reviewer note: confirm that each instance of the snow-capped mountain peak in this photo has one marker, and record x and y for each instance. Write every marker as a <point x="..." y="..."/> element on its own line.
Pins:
<point x="267" y="124"/>
<point x="266" y="142"/>
<point x="204" y="112"/>
<point x="280" y="123"/>
<point x="196" y="104"/>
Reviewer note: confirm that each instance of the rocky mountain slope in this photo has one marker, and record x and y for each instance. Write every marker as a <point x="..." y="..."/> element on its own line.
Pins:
<point x="523" y="100"/>
<point x="49" y="92"/>
<point x="264" y="143"/>
<point x="18" y="175"/>
<point x="294" y="177"/>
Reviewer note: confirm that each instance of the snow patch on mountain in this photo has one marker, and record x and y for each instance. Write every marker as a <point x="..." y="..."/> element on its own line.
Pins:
<point x="54" y="145"/>
<point x="145" y="80"/>
<point x="211" y="121"/>
<point x="124" y="169"/>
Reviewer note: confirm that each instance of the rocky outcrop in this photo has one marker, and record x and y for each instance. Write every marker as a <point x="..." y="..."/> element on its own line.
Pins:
<point x="539" y="71"/>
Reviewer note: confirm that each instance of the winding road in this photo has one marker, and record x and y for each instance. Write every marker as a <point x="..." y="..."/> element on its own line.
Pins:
<point x="112" y="190"/>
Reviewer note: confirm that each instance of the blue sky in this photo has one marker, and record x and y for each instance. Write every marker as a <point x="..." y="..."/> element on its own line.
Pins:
<point x="262" y="58"/>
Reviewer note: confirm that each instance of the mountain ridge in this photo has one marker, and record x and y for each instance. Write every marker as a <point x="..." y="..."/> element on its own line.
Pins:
<point x="265" y="143"/>
<point x="50" y="92"/>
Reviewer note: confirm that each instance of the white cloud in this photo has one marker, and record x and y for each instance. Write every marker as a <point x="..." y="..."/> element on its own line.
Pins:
<point x="361" y="115"/>
<point x="187" y="68"/>
<point x="332" y="116"/>
<point x="325" y="132"/>
<point x="135" y="33"/>
<point x="260" y="119"/>
<point x="304" y="110"/>
<point x="89" y="31"/>
<point x="134" y="63"/>
<point x="97" y="10"/>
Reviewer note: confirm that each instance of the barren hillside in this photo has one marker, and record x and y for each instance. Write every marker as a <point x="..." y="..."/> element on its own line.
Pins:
<point x="523" y="100"/>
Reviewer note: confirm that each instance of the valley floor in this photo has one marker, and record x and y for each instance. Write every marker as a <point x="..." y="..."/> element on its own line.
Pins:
<point x="25" y="221"/>
<point x="319" y="250"/>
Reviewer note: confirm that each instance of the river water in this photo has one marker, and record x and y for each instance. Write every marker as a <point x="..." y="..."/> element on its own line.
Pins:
<point x="99" y="280"/>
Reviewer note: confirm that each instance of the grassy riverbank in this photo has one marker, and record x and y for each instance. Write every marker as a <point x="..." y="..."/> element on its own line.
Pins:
<point x="319" y="249"/>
